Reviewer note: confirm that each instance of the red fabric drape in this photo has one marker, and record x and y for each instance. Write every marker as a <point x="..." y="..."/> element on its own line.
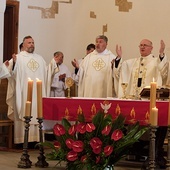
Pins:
<point x="57" y="108"/>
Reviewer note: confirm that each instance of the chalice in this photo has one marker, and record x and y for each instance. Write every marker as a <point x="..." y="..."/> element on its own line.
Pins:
<point x="124" y="86"/>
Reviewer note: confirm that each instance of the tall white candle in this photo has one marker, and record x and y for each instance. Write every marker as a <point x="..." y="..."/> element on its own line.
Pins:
<point x="153" y="86"/>
<point x="154" y="117"/>
<point x="29" y="90"/>
<point x="39" y="99"/>
<point x="28" y="109"/>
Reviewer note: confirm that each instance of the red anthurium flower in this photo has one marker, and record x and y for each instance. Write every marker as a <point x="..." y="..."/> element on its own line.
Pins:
<point x="59" y="130"/>
<point x="96" y="144"/>
<point x="106" y="130"/>
<point x="72" y="130"/>
<point x="108" y="150"/>
<point x="57" y="144"/>
<point x="77" y="146"/>
<point x="72" y="156"/>
<point x="116" y="135"/>
<point x="90" y="127"/>
<point x="81" y="128"/>
<point x="83" y="158"/>
<point x="69" y="143"/>
<point x="97" y="150"/>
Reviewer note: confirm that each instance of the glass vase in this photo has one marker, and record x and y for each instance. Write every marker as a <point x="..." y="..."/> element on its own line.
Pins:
<point x="109" y="168"/>
<point x="106" y="168"/>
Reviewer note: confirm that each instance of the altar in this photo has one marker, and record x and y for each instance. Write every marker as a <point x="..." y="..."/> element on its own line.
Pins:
<point x="133" y="110"/>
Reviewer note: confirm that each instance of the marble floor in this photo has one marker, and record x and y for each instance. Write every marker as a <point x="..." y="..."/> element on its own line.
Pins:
<point x="10" y="160"/>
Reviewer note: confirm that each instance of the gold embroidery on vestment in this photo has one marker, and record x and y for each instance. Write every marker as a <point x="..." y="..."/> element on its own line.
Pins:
<point x="99" y="64"/>
<point x="33" y="65"/>
<point x="136" y="76"/>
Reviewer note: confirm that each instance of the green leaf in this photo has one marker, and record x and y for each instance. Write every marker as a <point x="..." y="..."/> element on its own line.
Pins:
<point x="66" y="124"/>
<point x="48" y="144"/>
<point x="81" y="117"/>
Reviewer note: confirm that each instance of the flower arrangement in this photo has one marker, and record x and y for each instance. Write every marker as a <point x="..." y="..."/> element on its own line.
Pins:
<point x="93" y="145"/>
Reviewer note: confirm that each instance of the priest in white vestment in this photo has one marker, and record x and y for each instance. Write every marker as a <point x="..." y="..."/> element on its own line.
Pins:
<point x="139" y="72"/>
<point x="33" y="66"/>
<point x="95" y="75"/>
<point x="58" y="85"/>
<point x="57" y="73"/>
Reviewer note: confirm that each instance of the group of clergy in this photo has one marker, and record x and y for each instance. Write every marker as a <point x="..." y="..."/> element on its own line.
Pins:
<point x="99" y="75"/>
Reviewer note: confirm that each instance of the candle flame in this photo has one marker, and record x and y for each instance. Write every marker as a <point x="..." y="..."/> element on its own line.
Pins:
<point x="153" y="79"/>
<point x="37" y="79"/>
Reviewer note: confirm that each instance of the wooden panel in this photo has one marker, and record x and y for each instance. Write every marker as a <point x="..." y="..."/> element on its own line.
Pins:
<point x="3" y="91"/>
<point x="11" y="19"/>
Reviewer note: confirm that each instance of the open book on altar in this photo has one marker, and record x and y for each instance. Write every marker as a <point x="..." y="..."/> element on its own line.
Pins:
<point x="161" y="92"/>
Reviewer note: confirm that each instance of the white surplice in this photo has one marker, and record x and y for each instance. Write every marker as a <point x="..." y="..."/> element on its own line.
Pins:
<point x="33" y="66"/>
<point x="146" y="68"/>
<point x="95" y="75"/>
<point x="57" y="85"/>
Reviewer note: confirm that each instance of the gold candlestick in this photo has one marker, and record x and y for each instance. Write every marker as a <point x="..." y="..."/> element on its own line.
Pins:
<point x="24" y="160"/>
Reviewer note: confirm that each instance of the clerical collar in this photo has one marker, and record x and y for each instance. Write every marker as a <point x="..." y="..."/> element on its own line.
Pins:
<point x="26" y="53"/>
<point x="148" y="56"/>
<point x="105" y="52"/>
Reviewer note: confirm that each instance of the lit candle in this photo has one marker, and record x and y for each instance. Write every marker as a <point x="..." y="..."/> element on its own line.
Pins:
<point x="29" y="91"/>
<point x="153" y="86"/>
<point x="39" y="99"/>
<point x="154" y="117"/>
<point x="169" y="113"/>
<point x="28" y="109"/>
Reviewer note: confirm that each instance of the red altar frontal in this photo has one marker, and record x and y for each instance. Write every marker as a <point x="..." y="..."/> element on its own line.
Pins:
<point x="133" y="110"/>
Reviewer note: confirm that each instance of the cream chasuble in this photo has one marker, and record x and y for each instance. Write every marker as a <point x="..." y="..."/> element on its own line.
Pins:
<point x="95" y="75"/>
<point x="31" y="66"/>
<point x="52" y="70"/>
<point x="168" y="77"/>
<point x="4" y="73"/>
<point x="10" y="98"/>
<point x="139" y="72"/>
